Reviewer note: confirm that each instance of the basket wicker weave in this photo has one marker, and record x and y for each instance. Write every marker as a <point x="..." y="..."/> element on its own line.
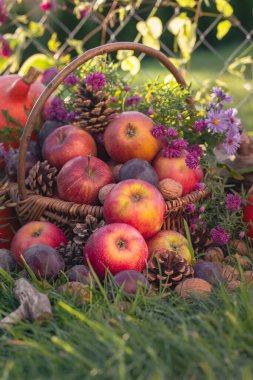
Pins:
<point x="35" y="207"/>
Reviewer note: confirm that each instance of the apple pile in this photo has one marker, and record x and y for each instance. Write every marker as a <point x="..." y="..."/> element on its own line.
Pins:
<point x="126" y="180"/>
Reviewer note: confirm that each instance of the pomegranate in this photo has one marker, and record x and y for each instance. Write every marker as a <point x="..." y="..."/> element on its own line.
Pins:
<point x="248" y="213"/>
<point x="18" y="95"/>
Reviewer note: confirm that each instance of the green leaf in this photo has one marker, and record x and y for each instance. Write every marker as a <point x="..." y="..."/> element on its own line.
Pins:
<point x="131" y="64"/>
<point x="40" y="61"/>
<point x="188" y="235"/>
<point x="224" y="7"/>
<point x="53" y="44"/>
<point x="233" y="173"/>
<point x="35" y="29"/>
<point x="22" y="18"/>
<point x="186" y="3"/>
<point x="77" y="44"/>
<point x="223" y="28"/>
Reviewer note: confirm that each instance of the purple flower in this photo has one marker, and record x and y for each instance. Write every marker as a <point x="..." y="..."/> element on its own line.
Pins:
<point x="6" y="49"/>
<point x="181" y="143"/>
<point x="241" y="235"/>
<point x="150" y="111"/>
<point x="71" y="80"/>
<point x="193" y="228"/>
<point x="232" y="141"/>
<point x="195" y="150"/>
<point x="216" y="121"/>
<point x="127" y="88"/>
<point x="199" y="125"/>
<point x="135" y="99"/>
<point x="96" y="80"/>
<point x="179" y="117"/>
<point x="159" y="131"/>
<point x="171" y="132"/>
<point x="200" y="186"/>
<point x="71" y="116"/>
<point x="49" y="74"/>
<point x="190" y="208"/>
<point x="202" y="210"/>
<point x="231" y="117"/>
<point x="217" y="92"/>
<point x="114" y="99"/>
<point x="56" y="110"/>
<point x="3" y="12"/>
<point x="171" y="151"/>
<point x="100" y="138"/>
<point x="233" y="202"/>
<point x="191" y="161"/>
<point x="219" y="235"/>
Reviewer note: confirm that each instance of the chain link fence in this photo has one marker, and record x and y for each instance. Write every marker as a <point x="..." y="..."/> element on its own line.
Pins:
<point x="60" y="30"/>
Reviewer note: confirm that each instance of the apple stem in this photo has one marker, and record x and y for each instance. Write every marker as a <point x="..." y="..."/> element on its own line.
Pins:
<point x="89" y="168"/>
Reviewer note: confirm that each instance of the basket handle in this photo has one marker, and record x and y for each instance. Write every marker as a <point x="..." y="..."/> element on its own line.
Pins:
<point x="57" y="80"/>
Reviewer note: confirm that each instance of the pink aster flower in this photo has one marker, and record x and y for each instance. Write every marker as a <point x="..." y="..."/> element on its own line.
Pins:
<point x="49" y="74"/>
<point x="241" y="235"/>
<point x="200" y="186"/>
<point x="150" y="111"/>
<point x="179" y="117"/>
<point x="172" y="151"/>
<point x="190" y="208"/>
<point x="199" y="125"/>
<point x="114" y="99"/>
<point x="96" y="80"/>
<point x="202" y="210"/>
<point x="159" y="131"/>
<point x="195" y="149"/>
<point x="3" y="12"/>
<point x="71" y="80"/>
<point x="216" y="121"/>
<point x="192" y="161"/>
<point x="233" y="202"/>
<point x="6" y="50"/>
<point x="181" y="143"/>
<point x="219" y="235"/>
<point x="56" y="110"/>
<point x="47" y="5"/>
<point x="132" y="100"/>
<point x="127" y="88"/>
<point x="232" y="141"/>
<point x="171" y="132"/>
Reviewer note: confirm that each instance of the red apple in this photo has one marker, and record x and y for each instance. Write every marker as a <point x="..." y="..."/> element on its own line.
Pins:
<point x="67" y="142"/>
<point x="129" y="136"/>
<point x="248" y="214"/>
<point x="81" y="178"/>
<point x="169" y="240"/>
<point x="116" y="247"/>
<point x="176" y="168"/>
<point x="137" y="203"/>
<point x="36" y="232"/>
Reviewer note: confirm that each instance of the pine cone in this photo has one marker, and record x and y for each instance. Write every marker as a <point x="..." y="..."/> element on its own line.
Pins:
<point x="166" y="269"/>
<point x="72" y="254"/>
<point x="92" y="108"/>
<point x="42" y="178"/>
<point x="82" y="231"/>
<point x="201" y="239"/>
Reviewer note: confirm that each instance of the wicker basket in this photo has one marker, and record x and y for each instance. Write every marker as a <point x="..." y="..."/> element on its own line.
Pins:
<point x="35" y="207"/>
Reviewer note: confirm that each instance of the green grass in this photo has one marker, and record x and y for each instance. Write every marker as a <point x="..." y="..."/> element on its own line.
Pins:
<point x="153" y="339"/>
<point x="206" y="66"/>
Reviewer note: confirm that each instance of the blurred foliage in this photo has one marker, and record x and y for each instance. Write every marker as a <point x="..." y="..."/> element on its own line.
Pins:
<point x="30" y="28"/>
